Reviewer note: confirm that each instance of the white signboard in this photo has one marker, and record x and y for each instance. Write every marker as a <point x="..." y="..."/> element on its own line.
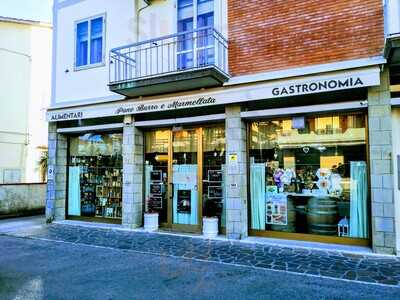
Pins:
<point x="232" y="94"/>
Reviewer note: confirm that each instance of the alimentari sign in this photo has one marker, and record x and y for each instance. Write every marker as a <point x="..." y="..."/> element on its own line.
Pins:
<point x="66" y="116"/>
<point x="318" y="86"/>
<point x="230" y="94"/>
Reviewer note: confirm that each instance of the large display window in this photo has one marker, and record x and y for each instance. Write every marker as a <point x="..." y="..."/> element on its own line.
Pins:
<point x="308" y="175"/>
<point x="95" y="176"/>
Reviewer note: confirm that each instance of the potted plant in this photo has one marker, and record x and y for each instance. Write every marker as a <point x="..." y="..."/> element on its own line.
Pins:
<point x="210" y="220"/>
<point x="150" y="219"/>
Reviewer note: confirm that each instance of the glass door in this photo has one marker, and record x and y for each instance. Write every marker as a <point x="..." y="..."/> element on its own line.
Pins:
<point x="184" y="176"/>
<point x="186" y="171"/>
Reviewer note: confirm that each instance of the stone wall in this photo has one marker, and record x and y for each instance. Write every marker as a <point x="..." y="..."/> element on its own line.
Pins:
<point x="132" y="193"/>
<point x="236" y="174"/>
<point x="57" y="187"/>
<point x="380" y="146"/>
<point x="22" y="199"/>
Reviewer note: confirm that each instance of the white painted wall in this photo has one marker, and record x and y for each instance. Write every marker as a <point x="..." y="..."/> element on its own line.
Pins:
<point x="25" y="76"/>
<point x="91" y="85"/>
<point x="392" y="16"/>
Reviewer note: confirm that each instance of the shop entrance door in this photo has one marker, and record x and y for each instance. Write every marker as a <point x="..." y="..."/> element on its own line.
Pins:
<point x="184" y="176"/>
<point x="172" y="175"/>
<point x="185" y="190"/>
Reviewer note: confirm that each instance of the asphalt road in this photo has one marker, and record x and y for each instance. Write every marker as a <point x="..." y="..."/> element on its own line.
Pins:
<point x="35" y="269"/>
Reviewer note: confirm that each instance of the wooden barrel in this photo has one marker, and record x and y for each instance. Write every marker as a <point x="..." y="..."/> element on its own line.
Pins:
<point x="322" y="216"/>
<point x="291" y="219"/>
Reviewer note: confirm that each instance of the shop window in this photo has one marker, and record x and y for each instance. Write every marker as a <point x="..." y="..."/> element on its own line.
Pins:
<point x="309" y="175"/>
<point x="95" y="176"/>
<point x="214" y="173"/>
<point x="156" y="173"/>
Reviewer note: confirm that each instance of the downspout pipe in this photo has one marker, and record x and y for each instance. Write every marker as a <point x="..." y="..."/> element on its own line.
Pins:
<point x="138" y="11"/>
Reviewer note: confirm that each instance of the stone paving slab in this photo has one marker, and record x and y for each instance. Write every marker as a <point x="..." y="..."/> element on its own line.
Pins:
<point x="333" y="264"/>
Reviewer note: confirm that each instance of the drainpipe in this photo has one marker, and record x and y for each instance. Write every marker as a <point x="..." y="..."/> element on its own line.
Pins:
<point x="138" y="11"/>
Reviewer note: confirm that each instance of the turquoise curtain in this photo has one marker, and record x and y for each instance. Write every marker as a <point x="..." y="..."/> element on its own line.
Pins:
<point x="147" y="173"/>
<point x="74" y="192"/>
<point x="358" y="200"/>
<point x="191" y="171"/>
<point x="257" y="194"/>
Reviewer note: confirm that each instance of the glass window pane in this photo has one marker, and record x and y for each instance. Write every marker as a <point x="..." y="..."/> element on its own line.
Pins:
<point x="214" y="173"/>
<point x="96" y="43"/>
<point x="185" y="9"/>
<point x="156" y="173"/>
<point x="95" y="176"/>
<point x="308" y="175"/>
<point x="205" y="6"/>
<point x="82" y="44"/>
<point x="205" y="57"/>
<point x="185" y="60"/>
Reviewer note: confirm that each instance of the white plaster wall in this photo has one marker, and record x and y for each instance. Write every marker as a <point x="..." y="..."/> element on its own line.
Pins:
<point x="40" y="95"/>
<point x="120" y="30"/>
<point x="396" y="152"/>
<point x="25" y="58"/>
<point x="392" y="16"/>
<point x="90" y="85"/>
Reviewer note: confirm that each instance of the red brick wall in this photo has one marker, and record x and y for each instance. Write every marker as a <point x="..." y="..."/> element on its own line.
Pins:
<point x="267" y="35"/>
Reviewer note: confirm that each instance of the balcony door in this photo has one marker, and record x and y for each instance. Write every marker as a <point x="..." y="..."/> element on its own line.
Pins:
<point x="195" y="47"/>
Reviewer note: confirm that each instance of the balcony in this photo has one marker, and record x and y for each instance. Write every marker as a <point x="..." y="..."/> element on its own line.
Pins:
<point x="182" y="61"/>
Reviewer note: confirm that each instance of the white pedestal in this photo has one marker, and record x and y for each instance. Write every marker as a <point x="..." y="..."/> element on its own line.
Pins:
<point x="210" y="227"/>
<point x="151" y="221"/>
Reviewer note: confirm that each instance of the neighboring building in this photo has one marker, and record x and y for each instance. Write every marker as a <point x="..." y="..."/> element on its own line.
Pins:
<point x="25" y="75"/>
<point x="274" y="116"/>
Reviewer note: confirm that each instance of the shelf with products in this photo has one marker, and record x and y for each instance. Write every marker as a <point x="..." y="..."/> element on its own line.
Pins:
<point x="109" y="194"/>
<point x="100" y="184"/>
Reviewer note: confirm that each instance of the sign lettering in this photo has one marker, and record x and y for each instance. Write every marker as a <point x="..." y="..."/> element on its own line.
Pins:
<point x="318" y="86"/>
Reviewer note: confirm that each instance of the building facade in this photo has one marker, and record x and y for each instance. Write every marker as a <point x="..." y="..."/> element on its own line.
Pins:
<point x="275" y="118"/>
<point x="24" y="97"/>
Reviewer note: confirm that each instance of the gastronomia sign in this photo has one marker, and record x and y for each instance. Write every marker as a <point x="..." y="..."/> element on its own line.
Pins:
<point x="229" y="94"/>
<point x="318" y="86"/>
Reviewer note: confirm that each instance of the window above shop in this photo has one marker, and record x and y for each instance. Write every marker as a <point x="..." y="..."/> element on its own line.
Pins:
<point x="89" y="42"/>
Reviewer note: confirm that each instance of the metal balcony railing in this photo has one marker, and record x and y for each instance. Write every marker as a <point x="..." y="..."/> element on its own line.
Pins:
<point x="185" y="51"/>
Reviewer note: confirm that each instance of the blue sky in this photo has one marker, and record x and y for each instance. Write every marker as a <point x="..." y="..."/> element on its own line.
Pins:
<point x="38" y="10"/>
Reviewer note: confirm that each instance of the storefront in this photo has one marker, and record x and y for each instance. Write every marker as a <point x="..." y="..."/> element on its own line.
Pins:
<point x="288" y="159"/>
<point x="309" y="178"/>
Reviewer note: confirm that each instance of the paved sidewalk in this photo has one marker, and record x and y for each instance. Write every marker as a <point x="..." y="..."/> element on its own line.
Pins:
<point x="332" y="264"/>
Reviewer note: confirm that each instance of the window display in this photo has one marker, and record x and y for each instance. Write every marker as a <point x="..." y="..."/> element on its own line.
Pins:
<point x="156" y="173"/>
<point x="214" y="172"/>
<point x="309" y="175"/>
<point x="95" y="176"/>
